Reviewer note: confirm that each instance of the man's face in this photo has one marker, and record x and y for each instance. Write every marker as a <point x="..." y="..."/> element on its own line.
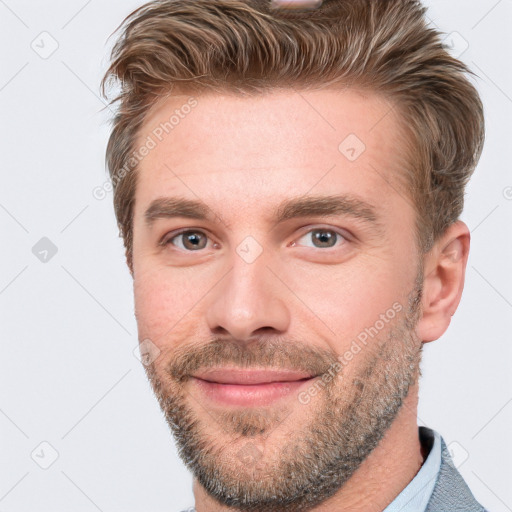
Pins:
<point x="270" y="275"/>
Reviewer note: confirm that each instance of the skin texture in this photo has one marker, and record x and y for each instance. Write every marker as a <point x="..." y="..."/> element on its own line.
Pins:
<point x="298" y="303"/>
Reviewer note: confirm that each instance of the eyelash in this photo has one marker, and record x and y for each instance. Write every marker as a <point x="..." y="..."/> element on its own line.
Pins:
<point x="167" y="239"/>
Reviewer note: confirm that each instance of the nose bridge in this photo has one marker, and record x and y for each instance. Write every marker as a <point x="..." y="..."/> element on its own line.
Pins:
<point x="249" y="298"/>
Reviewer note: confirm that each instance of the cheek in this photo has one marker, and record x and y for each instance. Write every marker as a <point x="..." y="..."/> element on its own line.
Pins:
<point x="165" y="301"/>
<point x="347" y="299"/>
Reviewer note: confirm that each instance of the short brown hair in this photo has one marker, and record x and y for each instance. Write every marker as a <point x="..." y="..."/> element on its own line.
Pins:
<point x="248" y="46"/>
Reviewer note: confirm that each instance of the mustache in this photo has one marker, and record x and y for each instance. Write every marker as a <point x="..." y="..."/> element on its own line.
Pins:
<point x="260" y="353"/>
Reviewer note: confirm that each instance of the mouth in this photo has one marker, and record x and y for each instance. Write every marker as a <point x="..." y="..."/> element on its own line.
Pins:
<point x="248" y="387"/>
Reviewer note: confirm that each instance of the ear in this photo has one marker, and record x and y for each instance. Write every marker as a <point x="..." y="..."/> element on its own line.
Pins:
<point x="445" y="269"/>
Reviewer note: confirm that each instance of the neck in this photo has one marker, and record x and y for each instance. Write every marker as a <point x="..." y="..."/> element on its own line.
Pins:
<point x="380" y="478"/>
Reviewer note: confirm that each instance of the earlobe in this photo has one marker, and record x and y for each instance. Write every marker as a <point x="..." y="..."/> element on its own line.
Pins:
<point x="445" y="268"/>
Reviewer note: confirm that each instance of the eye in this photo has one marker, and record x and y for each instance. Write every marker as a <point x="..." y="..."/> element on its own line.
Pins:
<point x="190" y="240"/>
<point x="322" y="238"/>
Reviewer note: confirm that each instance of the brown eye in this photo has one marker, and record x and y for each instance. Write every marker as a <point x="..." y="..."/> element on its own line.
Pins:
<point x="189" y="240"/>
<point x="323" y="238"/>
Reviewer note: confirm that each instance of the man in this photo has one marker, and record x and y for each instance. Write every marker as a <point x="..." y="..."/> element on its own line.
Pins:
<point x="288" y="184"/>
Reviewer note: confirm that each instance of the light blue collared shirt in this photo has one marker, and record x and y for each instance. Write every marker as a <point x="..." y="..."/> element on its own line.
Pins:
<point x="415" y="497"/>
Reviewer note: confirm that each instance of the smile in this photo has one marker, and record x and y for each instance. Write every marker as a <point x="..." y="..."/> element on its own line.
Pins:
<point x="249" y="387"/>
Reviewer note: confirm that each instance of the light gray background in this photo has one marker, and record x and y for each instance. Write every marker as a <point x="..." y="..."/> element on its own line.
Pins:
<point x="68" y="375"/>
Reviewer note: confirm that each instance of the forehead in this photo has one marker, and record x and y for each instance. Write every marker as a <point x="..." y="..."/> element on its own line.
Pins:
<point x="232" y="148"/>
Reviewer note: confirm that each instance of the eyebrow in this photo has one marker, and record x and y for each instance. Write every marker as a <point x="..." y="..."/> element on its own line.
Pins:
<point x="169" y="207"/>
<point x="297" y="207"/>
<point x="344" y="204"/>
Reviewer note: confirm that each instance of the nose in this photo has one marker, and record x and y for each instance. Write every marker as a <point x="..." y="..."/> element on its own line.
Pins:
<point x="248" y="302"/>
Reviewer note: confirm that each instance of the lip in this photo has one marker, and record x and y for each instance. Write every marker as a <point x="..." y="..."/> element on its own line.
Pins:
<point x="249" y="388"/>
<point x="250" y="376"/>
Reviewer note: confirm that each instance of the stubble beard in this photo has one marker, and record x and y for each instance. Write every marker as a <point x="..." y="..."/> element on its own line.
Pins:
<point x="253" y="459"/>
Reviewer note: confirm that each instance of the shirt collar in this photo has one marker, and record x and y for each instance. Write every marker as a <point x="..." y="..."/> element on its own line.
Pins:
<point x="416" y="495"/>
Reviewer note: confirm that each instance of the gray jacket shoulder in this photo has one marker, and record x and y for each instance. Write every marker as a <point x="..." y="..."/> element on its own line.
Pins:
<point x="451" y="493"/>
